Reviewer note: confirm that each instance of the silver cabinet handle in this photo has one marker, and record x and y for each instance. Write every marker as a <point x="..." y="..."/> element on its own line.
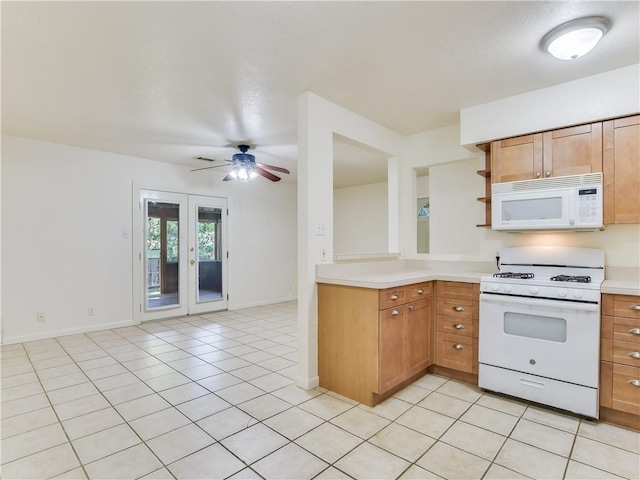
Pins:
<point x="395" y="312"/>
<point x="635" y="307"/>
<point x="457" y="346"/>
<point x="635" y="383"/>
<point x="410" y="308"/>
<point x="458" y="308"/>
<point x="458" y="326"/>
<point x="635" y="331"/>
<point x="634" y="354"/>
<point x="547" y="174"/>
<point x="537" y="174"/>
<point x="421" y="291"/>
<point x="394" y="297"/>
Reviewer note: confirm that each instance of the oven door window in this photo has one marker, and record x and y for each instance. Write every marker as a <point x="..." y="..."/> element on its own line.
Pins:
<point x="535" y="326"/>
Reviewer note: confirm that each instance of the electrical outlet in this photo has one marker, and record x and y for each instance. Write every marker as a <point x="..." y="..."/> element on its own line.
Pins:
<point x="41" y="317"/>
<point x="91" y="312"/>
<point x="323" y="255"/>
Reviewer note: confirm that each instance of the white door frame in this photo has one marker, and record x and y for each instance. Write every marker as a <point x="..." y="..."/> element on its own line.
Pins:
<point x="186" y="295"/>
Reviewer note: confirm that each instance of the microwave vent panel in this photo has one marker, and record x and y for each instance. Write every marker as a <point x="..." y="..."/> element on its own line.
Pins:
<point x="585" y="180"/>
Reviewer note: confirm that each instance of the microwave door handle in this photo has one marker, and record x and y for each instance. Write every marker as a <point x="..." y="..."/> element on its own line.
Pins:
<point x="505" y="299"/>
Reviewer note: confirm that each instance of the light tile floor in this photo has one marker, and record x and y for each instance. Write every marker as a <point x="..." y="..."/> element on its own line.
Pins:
<point x="213" y="396"/>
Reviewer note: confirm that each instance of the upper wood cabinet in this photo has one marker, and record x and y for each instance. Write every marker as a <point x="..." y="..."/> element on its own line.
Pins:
<point x="566" y="151"/>
<point x="621" y="156"/>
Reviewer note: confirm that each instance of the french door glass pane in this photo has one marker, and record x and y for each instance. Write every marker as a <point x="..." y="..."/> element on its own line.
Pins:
<point x="162" y="254"/>
<point x="208" y="245"/>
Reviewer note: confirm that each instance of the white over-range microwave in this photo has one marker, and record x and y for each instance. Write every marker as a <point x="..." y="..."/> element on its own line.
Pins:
<point x="572" y="202"/>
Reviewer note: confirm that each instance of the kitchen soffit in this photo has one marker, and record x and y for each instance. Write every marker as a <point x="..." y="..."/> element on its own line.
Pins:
<point x="173" y="80"/>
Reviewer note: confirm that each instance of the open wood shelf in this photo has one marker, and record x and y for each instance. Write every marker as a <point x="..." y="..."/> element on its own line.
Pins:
<point x="484" y="173"/>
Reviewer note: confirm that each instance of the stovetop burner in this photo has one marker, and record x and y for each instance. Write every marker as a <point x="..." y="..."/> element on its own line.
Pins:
<point x="571" y="278"/>
<point x="520" y="276"/>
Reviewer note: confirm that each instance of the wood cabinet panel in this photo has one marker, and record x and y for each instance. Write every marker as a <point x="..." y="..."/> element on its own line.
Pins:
<point x="457" y="326"/>
<point x="518" y="158"/>
<point x="418" y="352"/>
<point x="626" y="353"/>
<point x="621" y="161"/>
<point x="463" y="291"/>
<point x="626" y="393"/>
<point x="391" y="348"/>
<point x="573" y="150"/>
<point x="454" y="307"/>
<point x="457" y="352"/>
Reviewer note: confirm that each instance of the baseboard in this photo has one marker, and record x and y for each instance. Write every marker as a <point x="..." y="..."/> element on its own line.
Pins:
<point x="65" y="332"/>
<point x="240" y="306"/>
<point x="308" y="383"/>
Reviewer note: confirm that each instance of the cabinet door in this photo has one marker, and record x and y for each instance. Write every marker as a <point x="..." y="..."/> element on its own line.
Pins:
<point x="621" y="156"/>
<point x="391" y="337"/>
<point x="573" y="150"/>
<point x="418" y="341"/>
<point x="518" y="158"/>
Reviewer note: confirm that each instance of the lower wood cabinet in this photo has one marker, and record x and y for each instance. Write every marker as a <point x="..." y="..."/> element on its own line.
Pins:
<point x="371" y="341"/>
<point x="620" y="356"/>
<point x="457" y="312"/>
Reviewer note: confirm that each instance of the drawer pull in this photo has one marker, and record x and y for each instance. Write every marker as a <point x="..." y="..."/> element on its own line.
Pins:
<point x="635" y="307"/>
<point x="395" y="312"/>
<point x="635" y="383"/>
<point x="635" y="331"/>
<point x="634" y="354"/>
<point x="411" y="309"/>
<point x="458" y="308"/>
<point x="457" y="346"/>
<point x="394" y="297"/>
<point x="458" y="326"/>
<point x="421" y="291"/>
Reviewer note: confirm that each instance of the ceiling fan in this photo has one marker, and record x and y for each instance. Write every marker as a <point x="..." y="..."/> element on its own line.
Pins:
<point x="245" y="167"/>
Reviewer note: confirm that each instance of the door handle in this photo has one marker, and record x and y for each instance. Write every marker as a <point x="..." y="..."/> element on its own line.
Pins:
<point x="635" y="383"/>
<point x="421" y="291"/>
<point x="635" y="307"/>
<point x="395" y="312"/>
<point x="394" y="297"/>
<point x="458" y="326"/>
<point x="634" y="354"/>
<point x="457" y="346"/>
<point x="635" y="331"/>
<point x="192" y="261"/>
<point x="458" y="308"/>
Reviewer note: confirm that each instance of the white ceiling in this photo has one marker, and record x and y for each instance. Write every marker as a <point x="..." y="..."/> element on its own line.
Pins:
<point x="170" y="81"/>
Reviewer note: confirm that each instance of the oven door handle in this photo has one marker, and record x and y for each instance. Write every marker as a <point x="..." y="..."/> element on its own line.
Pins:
<point x="538" y="302"/>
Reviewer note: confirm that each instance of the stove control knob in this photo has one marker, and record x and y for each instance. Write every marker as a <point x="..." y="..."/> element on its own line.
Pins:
<point x="562" y="292"/>
<point x="507" y="288"/>
<point x="495" y="287"/>
<point x="534" y="290"/>
<point x="577" y="293"/>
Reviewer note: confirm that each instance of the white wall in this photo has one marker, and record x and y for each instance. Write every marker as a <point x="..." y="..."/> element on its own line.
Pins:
<point x="360" y="219"/>
<point x="64" y="210"/>
<point x="598" y="97"/>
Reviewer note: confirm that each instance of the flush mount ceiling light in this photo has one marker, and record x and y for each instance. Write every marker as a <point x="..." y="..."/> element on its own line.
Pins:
<point x="575" y="38"/>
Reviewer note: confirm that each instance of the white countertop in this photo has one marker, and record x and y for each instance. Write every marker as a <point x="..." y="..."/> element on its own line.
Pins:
<point x="394" y="273"/>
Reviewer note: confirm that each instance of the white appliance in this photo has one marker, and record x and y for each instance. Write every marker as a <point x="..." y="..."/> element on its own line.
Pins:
<point x="539" y="336"/>
<point x="573" y="202"/>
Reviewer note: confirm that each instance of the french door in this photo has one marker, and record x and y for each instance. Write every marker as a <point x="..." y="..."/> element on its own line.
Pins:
<point x="181" y="254"/>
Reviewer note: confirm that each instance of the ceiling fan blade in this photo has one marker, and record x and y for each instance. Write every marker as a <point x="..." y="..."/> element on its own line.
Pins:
<point x="271" y="167"/>
<point x="265" y="174"/>
<point x="205" y="158"/>
<point x="227" y="178"/>
<point x="207" y="168"/>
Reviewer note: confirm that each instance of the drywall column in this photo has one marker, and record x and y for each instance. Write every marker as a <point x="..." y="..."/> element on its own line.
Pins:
<point x="318" y="120"/>
<point x="315" y="227"/>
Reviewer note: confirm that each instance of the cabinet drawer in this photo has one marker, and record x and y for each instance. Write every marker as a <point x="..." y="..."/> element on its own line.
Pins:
<point x="456" y="308"/>
<point x="461" y="290"/>
<point x="626" y="389"/>
<point x="418" y="291"/>
<point x="457" y="326"/>
<point x="626" y="306"/>
<point x="457" y="352"/>
<point x="392" y="297"/>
